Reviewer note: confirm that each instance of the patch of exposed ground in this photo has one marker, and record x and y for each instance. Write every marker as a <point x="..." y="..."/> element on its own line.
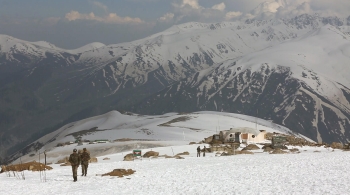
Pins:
<point x="30" y="166"/>
<point x="120" y="172"/>
<point x="102" y="151"/>
<point x="178" y="119"/>
<point x="128" y="139"/>
<point x="85" y="132"/>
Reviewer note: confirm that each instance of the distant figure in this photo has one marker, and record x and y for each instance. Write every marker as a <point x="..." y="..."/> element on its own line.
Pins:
<point x="198" y="151"/>
<point x="74" y="160"/>
<point x="204" y="151"/>
<point x="85" y="157"/>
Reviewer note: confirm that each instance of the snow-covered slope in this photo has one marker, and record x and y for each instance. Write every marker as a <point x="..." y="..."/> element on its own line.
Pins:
<point x="9" y="43"/>
<point x="319" y="59"/>
<point x="168" y="127"/>
<point x="88" y="47"/>
<point x="145" y="131"/>
<point x="304" y="172"/>
<point x="309" y="76"/>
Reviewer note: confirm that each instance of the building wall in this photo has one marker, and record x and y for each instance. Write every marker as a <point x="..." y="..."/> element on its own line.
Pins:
<point x="261" y="137"/>
<point x="244" y="137"/>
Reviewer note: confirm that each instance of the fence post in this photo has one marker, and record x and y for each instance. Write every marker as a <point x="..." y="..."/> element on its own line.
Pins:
<point x="45" y="156"/>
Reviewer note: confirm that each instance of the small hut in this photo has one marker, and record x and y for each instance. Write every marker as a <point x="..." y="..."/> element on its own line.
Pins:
<point x="243" y="135"/>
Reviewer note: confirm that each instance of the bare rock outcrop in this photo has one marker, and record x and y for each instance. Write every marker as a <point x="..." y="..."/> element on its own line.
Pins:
<point x="150" y="153"/>
<point x="294" y="150"/>
<point x="183" y="153"/>
<point x="178" y="157"/>
<point x="268" y="149"/>
<point x="93" y="160"/>
<point x="336" y="145"/>
<point x="64" y="160"/>
<point x="129" y="157"/>
<point x="251" y="147"/>
<point x="278" y="151"/>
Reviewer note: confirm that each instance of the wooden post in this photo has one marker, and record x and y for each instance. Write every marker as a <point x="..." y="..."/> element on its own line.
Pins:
<point x="234" y="150"/>
<point x="45" y="156"/>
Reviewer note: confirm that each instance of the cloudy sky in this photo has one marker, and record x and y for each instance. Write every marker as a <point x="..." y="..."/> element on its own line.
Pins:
<point x="73" y="23"/>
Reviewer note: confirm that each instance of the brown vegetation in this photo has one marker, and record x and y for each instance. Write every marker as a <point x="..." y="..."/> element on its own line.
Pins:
<point x="30" y="166"/>
<point x="120" y="172"/>
<point x="183" y="153"/>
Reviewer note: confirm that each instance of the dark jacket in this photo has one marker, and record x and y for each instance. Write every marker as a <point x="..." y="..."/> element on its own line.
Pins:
<point x="198" y="149"/>
<point x="85" y="157"/>
<point x="74" y="159"/>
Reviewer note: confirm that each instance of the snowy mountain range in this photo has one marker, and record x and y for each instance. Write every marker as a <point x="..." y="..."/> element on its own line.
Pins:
<point x="294" y="72"/>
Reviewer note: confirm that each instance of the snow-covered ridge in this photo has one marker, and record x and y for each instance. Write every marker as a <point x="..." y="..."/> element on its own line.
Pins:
<point x="326" y="45"/>
<point x="168" y="127"/>
<point x="9" y="44"/>
<point x="88" y="47"/>
<point x="221" y="41"/>
<point x="320" y="59"/>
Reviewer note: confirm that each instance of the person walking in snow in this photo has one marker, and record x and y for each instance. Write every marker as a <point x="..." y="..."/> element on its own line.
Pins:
<point x="204" y="151"/>
<point x="74" y="160"/>
<point x="198" y="151"/>
<point x="85" y="157"/>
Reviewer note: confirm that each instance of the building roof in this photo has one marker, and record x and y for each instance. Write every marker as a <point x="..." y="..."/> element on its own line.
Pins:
<point x="244" y="130"/>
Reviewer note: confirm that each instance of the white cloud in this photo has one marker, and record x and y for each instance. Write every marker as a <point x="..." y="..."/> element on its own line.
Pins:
<point x="292" y="8"/>
<point x="232" y="15"/>
<point x="193" y="3"/>
<point x="148" y="1"/>
<point x="167" y="17"/>
<point x="266" y="10"/>
<point x="100" y="5"/>
<point x="107" y="18"/>
<point x="110" y="18"/>
<point x="220" y="6"/>
<point x="193" y="10"/>
<point x="295" y="10"/>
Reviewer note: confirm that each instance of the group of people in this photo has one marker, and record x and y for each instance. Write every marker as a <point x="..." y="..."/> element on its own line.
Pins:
<point x="82" y="159"/>
<point x="199" y="151"/>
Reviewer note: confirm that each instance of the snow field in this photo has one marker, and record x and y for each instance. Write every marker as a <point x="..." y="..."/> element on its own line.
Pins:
<point x="308" y="172"/>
